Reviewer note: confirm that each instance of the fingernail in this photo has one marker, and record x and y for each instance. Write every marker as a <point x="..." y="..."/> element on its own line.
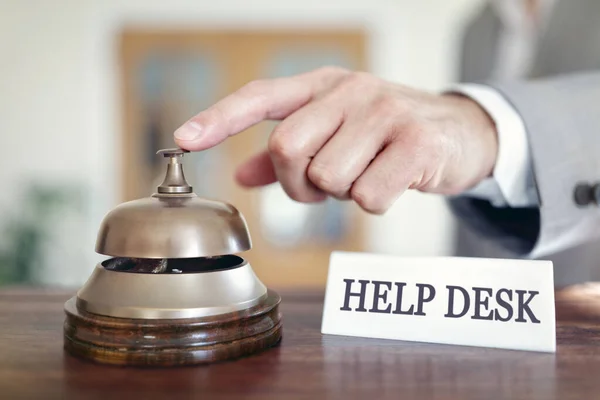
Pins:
<point x="189" y="131"/>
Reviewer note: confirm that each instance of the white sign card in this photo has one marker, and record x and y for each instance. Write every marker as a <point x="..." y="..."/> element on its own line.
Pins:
<point x="496" y="303"/>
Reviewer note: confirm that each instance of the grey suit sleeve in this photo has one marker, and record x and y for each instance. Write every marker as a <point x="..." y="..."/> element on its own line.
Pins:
<point x="562" y="118"/>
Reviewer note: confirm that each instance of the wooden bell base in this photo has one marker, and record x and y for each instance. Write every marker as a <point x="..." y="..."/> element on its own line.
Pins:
<point x="172" y="342"/>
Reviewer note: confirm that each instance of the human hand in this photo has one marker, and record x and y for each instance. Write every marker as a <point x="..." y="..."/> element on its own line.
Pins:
<point x="352" y="136"/>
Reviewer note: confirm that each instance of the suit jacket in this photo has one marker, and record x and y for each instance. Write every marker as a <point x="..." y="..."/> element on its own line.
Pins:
<point x="560" y="105"/>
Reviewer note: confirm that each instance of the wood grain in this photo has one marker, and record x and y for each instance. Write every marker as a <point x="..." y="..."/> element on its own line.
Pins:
<point x="174" y="342"/>
<point x="307" y="365"/>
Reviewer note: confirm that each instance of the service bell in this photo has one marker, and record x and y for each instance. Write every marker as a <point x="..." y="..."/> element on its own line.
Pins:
<point x="174" y="291"/>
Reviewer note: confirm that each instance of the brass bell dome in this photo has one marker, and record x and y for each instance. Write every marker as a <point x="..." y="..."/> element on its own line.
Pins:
<point x="173" y="256"/>
<point x="173" y="223"/>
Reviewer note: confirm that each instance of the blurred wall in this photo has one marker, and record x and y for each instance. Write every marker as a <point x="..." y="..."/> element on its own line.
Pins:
<point x="59" y="99"/>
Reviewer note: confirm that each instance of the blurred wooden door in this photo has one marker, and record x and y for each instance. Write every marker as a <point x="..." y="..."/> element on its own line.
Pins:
<point x="169" y="76"/>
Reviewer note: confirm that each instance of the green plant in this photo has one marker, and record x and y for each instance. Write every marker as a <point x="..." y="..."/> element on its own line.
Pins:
<point x="29" y="227"/>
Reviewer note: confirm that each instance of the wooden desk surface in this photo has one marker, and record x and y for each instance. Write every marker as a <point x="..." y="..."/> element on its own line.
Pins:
<point x="306" y="365"/>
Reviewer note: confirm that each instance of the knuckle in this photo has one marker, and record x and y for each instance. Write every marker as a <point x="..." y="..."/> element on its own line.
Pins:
<point x="325" y="178"/>
<point x="359" y="81"/>
<point x="368" y="200"/>
<point x="283" y="149"/>
<point x="389" y="107"/>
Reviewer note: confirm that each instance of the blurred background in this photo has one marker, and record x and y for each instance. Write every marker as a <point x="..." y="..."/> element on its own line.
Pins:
<point x="90" y="89"/>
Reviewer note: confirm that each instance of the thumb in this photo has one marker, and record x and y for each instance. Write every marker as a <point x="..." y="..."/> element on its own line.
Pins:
<point x="256" y="171"/>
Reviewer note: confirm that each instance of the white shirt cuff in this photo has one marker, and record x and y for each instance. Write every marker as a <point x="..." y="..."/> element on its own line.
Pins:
<point x="513" y="183"/>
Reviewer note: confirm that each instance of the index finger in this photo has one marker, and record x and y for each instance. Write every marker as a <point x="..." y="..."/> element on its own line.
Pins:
<point x="272" y="99"/>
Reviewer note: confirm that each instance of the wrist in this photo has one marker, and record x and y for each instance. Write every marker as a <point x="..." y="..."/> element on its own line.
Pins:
<point x="479" y="138"/>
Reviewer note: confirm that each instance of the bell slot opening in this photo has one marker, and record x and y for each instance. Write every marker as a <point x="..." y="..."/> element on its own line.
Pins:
<point x="173" y="265"/>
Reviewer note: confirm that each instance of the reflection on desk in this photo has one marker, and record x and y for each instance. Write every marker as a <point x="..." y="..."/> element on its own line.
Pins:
<point x="307" y="365"/>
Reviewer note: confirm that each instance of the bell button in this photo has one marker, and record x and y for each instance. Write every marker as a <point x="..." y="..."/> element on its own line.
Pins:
<point x="174" y="182"/>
